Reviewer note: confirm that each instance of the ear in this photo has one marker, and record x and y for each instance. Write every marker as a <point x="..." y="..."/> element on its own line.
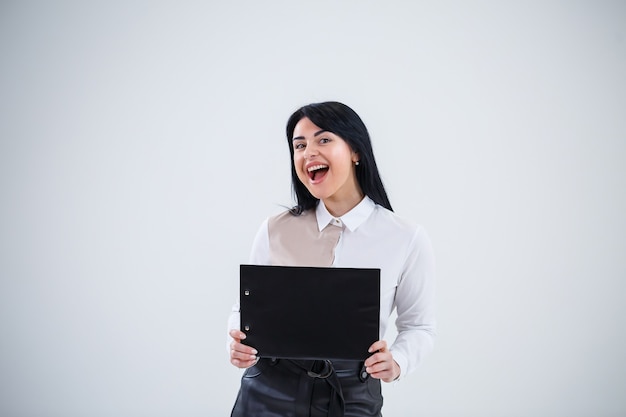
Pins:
<point x="355" y="157"/>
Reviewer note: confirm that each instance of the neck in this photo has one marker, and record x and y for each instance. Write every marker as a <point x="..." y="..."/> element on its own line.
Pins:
<point x="340" y="207"/>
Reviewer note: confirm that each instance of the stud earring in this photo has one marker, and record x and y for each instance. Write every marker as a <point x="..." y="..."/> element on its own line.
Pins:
<point x="356" y="163"/>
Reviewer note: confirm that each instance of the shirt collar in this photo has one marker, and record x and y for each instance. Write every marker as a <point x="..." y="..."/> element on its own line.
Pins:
<point x="352" y="219"/>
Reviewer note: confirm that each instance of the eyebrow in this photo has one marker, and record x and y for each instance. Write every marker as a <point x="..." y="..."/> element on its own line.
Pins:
<point x="315" y="134"/>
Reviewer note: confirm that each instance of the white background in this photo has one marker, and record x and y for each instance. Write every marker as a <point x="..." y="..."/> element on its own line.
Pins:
<point x="142" y="144"/>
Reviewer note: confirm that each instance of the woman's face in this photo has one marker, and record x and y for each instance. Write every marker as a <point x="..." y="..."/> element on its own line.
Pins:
<point x="324" y="163"/>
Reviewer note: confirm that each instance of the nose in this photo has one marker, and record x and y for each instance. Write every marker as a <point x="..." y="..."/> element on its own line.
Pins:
<point x="310" y="150"/>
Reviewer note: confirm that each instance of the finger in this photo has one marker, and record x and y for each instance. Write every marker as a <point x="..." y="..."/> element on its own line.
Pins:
<point x="244" y="356"/>
<point x="381" y="366"/>
<point x="388" y="372"/>
<point x="386" y="376"/>
<point x="379" y="371"/>
<point x="242" y="363"/>
<point x="369" y="362"/>
<point x="237" y="334"/>
<point x="379" y="345"/>
<point x="242" y="359"/>
<point x="377" y="357"/>
<point x="240" y="347"/>
<point x="377" y="363"/>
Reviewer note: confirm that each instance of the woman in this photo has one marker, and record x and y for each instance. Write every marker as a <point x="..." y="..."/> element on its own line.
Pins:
<point x="343" y="218"/>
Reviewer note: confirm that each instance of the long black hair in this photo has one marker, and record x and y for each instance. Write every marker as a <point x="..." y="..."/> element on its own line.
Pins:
<point x="341" y="120"/>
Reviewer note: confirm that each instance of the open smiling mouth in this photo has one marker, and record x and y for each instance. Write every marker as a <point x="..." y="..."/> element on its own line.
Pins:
<point x="317" y="172"/>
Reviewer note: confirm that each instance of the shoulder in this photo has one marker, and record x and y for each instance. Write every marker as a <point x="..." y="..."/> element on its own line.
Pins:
<point x="288" y="217"/>
<point x="285" y="214"/>
<point x="403" y="229"/>
<point x="394" y="222"/>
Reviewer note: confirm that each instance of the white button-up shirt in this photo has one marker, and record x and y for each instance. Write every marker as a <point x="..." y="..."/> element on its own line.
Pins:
<point x="374" y="237"/>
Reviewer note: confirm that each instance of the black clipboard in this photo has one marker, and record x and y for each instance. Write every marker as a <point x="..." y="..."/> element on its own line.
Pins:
<point x="310" y="312"/>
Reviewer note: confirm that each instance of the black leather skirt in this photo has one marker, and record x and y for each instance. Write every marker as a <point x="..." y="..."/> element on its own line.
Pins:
<point x="290" y="388"/>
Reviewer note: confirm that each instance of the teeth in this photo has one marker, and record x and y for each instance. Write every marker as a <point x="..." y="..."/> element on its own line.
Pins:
<point x="316" y="167"/>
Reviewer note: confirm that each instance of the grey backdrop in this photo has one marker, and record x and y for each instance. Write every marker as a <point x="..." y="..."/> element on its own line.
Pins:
<point x="142" y="144"/>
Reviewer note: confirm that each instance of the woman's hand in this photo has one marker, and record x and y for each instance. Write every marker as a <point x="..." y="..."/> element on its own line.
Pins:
<point x="381" y="364"/>
<point x="242" y="356"/>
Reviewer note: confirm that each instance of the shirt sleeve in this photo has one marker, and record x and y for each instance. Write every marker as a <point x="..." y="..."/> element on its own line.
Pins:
<point x="259" y="255"/>
<point x="415" y="304"/>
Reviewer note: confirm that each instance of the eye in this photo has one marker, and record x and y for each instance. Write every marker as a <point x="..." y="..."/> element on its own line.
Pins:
<point x="298" y="145"/>
<point x="324" y="140"/>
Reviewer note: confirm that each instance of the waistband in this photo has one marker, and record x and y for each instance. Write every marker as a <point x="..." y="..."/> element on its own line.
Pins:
<point x="331" y="371"/>
<point x="320" y="368"/>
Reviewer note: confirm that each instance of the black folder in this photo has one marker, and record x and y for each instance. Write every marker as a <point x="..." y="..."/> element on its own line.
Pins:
<point x="310" y="312"/>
